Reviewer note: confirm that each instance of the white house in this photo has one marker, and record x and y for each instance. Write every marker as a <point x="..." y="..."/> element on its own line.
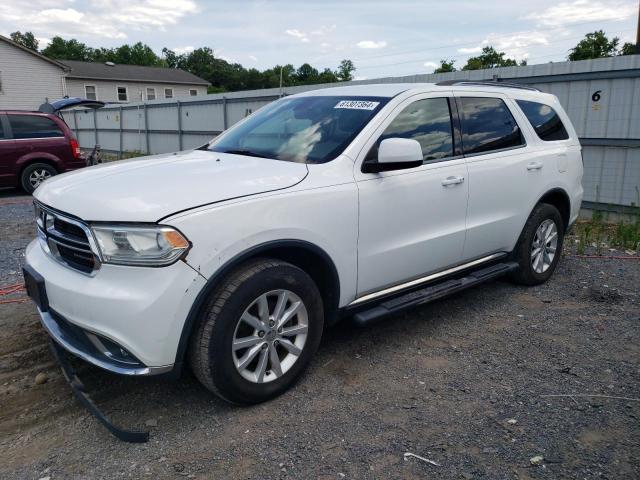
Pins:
<point x="27" y="78"/>
<point x="116" y="83"/>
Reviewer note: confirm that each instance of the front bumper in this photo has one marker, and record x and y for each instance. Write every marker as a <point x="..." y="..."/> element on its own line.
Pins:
<point x="140" y="309"/>
<point x="87" y="346"/>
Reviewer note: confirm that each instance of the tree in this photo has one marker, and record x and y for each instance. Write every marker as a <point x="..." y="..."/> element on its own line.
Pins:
<point x="594" y="45"/>
<point x="345" y="71"/>
<point x="629" y="49"/>
<point x="223" y="75"/>
<point x="489" y="58"/>
<point x="26" y="39"/>
<point x="62" y="49"/>
<point x="445" y="66"/>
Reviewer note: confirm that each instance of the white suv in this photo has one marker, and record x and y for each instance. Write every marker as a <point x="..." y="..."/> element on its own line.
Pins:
<point x="353" y="201"/>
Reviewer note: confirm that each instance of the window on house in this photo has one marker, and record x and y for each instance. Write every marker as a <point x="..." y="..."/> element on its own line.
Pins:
<point x="90" y="92"/>
<point x="123" y="95"/>
<point x="487" y="124"/>
<point x="151" y="93"/>
<point x="168" y="93"/>
<point x="193" y="92"/>
<point x="544" y="120"/>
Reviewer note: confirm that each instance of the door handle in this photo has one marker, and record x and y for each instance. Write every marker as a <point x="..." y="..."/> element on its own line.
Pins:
<point x="452" y="181"/>
<point x="535" y="166"/>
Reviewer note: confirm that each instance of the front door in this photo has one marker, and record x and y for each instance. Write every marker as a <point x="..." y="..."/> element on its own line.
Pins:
<point x="412" y="221"/>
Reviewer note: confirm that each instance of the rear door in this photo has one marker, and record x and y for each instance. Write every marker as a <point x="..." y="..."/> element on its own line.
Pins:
<point x="505" y="173"/>
<point x="412" y="221"/>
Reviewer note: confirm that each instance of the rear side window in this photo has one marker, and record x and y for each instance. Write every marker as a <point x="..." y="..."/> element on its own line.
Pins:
<point x="429" y="122"/>
<point x="545" y="120"/>
<point x="34" y="126"/>
<point x="487" y="125"/>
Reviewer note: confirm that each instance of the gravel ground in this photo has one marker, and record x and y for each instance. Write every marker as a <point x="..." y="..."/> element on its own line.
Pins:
<point x="463" y="382"/>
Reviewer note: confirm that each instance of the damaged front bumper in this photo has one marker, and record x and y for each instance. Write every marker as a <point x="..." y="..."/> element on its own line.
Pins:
<point x="79" y="390"/>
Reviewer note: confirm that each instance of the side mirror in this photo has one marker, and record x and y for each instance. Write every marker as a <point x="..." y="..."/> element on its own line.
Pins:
<point x="395" y="154"/>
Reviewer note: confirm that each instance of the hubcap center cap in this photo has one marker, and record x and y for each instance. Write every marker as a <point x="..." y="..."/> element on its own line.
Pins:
<point x="271" y="334"/>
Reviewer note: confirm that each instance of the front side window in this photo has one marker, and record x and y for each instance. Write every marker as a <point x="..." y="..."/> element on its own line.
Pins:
<point x="122" y="94"/>
<point x="544" y="120"/>
<point x="168" y="93"/>
<point x="487" y="125"/>
<point x="313" y="129"/>
<point x="90" y="92"/>
<point x="429" y="122"/>
<point x="33" y="126"/>
<point x="151" y="93"/>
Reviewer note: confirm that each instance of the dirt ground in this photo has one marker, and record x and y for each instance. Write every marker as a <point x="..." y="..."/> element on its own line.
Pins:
<point x="466" y="382"/>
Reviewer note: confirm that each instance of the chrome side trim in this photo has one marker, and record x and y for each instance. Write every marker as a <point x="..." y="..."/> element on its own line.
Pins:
<point x="418" y="281"/>
<point x="51" y="326"/>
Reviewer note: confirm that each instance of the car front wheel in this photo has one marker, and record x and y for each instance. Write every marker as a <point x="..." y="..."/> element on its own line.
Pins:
<point x="258" y="333"/>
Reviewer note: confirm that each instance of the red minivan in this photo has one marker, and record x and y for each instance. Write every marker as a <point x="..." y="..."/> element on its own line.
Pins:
<point x="37" y="145"/>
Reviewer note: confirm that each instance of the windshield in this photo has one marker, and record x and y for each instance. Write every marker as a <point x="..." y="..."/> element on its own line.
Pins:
<point x="303" y="129"/>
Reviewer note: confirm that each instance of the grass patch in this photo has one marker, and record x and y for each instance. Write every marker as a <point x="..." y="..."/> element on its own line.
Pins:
<point x="600" y="233"/>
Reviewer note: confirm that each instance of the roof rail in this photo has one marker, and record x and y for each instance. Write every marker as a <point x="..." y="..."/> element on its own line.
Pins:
<point x="488" y="83"/>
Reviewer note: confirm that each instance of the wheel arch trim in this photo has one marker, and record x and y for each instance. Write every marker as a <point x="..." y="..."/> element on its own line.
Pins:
<point x="227" y="267"/>
<point x="563" y="193"/>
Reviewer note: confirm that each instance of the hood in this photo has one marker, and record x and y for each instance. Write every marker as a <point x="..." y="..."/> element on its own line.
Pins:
<point x="148" y="189"/>
<point x="64" y="103"/>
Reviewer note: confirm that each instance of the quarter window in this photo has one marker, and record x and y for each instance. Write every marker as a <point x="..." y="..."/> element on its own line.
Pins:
<point x="151" y="93"/>
<point x="34" y="126"/>
<point x="544" y="120"/>
<point x="168" y="93"/>
<point x="429" y="122"/>
<point x="90" y="92"/>
<point x="122" y="94"/>
<point x="487" y="125"/>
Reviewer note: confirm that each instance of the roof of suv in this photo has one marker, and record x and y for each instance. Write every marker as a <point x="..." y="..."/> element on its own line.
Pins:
<point x="392" y="89"/>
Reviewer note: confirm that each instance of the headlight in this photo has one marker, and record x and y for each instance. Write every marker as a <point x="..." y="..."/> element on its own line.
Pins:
<point x="154" y="245"/>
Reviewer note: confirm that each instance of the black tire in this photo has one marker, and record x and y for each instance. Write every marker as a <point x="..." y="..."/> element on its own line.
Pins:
<point x="522" y="254"/>
<point x="35" y="168"/>
<point x="210" y="350"/>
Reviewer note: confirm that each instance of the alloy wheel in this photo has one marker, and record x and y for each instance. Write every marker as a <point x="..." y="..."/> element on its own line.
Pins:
<point x="38" y="176"/>
<point x="270" y="336"/>
<point x="544" y="246"/>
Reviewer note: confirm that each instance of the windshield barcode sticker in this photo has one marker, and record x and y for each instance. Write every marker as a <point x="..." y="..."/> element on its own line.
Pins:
<point x="357" y="104"/>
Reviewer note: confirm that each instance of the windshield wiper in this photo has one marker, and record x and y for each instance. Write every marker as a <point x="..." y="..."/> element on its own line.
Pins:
<point x="248" y="153"/>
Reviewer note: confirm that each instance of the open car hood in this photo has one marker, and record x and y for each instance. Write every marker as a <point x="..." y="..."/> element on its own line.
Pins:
<point x="63" y="103"/>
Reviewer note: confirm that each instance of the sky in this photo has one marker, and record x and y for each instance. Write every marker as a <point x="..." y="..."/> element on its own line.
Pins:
<point x="382" y="38"/>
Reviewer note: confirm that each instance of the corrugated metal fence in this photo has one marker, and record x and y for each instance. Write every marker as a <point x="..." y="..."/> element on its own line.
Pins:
<point x="602" y="98"/>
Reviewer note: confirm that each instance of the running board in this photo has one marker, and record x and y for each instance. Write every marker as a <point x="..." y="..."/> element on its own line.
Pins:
<point x="431" y="292"/>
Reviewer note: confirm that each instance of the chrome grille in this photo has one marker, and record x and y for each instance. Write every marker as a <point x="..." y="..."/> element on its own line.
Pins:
<point x="67" y="240"/>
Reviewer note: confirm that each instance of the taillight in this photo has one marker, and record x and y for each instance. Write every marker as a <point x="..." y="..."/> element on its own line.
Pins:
<point x="75" y="147"/>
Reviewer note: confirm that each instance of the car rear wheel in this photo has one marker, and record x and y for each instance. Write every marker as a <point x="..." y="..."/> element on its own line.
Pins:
<point x="258" y="333"/>
<point x="540" y="246"/>
<point x="36" y="173"/>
